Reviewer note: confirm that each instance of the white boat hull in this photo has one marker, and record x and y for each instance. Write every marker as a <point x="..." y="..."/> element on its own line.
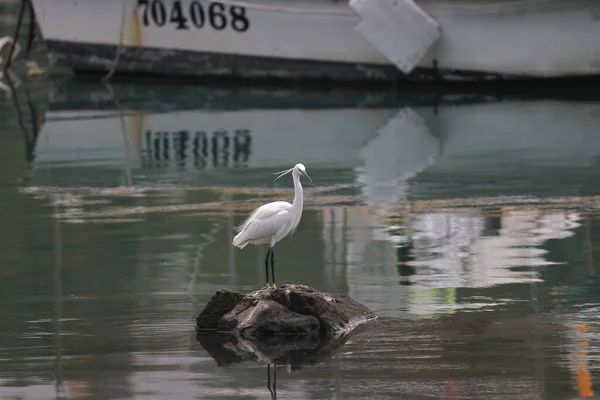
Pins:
<point x="317" y="39"/>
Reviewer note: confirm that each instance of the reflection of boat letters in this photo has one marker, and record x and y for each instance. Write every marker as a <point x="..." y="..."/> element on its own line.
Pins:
<point x="219" y="148"/>
<point x="152" y="144"/>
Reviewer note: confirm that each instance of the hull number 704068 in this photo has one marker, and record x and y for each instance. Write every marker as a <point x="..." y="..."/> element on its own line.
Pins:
<point x="193" y="14"/>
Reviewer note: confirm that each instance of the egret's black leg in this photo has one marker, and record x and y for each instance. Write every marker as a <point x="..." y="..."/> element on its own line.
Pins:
<point x="273" y="266"/>
<point x="267" y="268"/>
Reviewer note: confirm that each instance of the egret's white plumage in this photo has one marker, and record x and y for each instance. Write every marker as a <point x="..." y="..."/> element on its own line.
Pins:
<point x="271" y="222"/>
<point x="266" y="224"/>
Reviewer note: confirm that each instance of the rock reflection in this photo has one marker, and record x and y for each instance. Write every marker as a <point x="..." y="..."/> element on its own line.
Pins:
<point x="295" y="352"/>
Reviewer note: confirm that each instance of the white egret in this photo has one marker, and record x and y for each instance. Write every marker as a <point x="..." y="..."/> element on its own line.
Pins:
<point x="272" y="222"/>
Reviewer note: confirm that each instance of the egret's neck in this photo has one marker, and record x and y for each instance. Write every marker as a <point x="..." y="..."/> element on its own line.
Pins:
<point x="298" y="197"/>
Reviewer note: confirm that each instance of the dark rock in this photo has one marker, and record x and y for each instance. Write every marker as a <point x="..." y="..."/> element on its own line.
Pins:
<point x="221" y="303"/>
<point x="335" y="313"/>
<point x="290" y="310"/>
<point x="268" y="318"/>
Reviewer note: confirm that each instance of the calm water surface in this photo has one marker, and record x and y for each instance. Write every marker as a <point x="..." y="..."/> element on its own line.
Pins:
<point x="469" y="225"/>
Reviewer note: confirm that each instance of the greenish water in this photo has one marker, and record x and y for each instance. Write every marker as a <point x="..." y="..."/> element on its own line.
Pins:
<point x="469" y="225"/>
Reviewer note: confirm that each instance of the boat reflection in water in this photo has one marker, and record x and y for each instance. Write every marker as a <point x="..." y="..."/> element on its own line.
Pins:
<point x="199" y="140"/>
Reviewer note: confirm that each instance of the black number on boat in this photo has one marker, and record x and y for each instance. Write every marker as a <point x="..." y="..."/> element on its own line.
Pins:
<point x="144" y="4"/>
<point x="177" y="16"/>
<point x="197" y="14"/>
<point x="219" y="15"/>
<point x="239" y="22"/>
<point x="216" y="17"/>
<point x="159" y="12"/>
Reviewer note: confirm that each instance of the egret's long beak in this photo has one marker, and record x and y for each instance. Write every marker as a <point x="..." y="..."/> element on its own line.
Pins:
<point x="306" y="175"/>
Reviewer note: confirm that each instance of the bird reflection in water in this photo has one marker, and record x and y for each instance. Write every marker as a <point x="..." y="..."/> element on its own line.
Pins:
<point x="272" y="388"/>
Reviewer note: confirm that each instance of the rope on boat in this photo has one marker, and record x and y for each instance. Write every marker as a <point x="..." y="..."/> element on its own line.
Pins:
<point x="32" y="28"/>
<point x="115" y="62"/>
